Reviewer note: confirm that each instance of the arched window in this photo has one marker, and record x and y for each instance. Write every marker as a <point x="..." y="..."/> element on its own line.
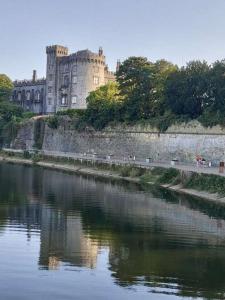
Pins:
<point x="37" y="96"/>
<point x="28" y="95"/>
<point x="19" y="96"/>
<point x="66" y="80"/>
<point x="64" y="99"/>
<point x="74" y="99"/>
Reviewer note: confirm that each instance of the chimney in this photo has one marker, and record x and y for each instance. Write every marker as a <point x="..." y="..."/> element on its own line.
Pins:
<point x="118" y="65"/>
<point x="34" y="78"/>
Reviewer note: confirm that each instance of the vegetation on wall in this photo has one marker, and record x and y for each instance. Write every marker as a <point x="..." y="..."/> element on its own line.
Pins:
<point x="11" y="116"/>
<point x="160" y="94"/>
<point x="39" y="130"/>
<point x="6" y="87"/>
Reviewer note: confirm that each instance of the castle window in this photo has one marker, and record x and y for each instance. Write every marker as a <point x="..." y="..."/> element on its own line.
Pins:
<point x="74" y="69"/>
<point x="66" y="68"/>
<point x="28" y="95"/>
<point x="49" y="101"/>
<point x="66" y="80"/>
<point x="49" y="89"/>
<point x="64" y="99"/>
<point x="37" y="96"/>
<point x="19" y="96"/>
<point x="74" y="99"/>
<point x="96" y="80"/>
<point x="74" y="79"/>
<point x="50" y="77"/>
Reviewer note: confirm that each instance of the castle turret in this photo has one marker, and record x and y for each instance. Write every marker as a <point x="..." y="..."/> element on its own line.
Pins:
<point x="53" y="54"/>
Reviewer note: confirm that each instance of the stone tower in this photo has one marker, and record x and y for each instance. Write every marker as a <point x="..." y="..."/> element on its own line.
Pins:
<point x="53" y="54"/>
<point x="69" y="80"/>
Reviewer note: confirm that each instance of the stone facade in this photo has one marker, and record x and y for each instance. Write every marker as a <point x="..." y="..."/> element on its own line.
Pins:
<point x="30" y="94"/>
<point x="69" y="80"/>
<point x="182" y="143"/>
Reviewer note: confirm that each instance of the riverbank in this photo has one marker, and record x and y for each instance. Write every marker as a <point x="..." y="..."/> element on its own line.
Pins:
<point x="204" y="186"/>
<point x="68" y="168"/>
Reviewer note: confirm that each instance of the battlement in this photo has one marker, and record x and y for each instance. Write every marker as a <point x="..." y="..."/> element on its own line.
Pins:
<point x="26" y="82"/>
<point x="57" y="50"/>
<point x="86" y="56"/>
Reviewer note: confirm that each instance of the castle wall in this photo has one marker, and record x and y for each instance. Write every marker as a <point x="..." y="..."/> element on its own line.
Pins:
<point x="181" y="142"/>
<point x="30" y="95"/>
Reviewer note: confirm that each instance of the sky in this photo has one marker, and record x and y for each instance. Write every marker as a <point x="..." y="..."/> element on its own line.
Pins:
<point x="176" y="30"/>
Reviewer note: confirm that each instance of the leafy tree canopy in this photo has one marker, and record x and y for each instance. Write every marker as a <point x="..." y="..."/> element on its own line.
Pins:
<point x="6" y="87"/>
<point x="104" y="105"/>
<point x="187" y="89"/>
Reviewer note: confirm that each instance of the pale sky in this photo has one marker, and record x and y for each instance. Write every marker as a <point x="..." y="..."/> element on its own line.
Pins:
<point x="177" y="30"/>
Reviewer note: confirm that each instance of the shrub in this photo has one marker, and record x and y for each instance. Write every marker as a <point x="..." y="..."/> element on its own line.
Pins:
<point x="168" y="176"/>
<point x="53" y="122"/>
<point x="26" y="154"/>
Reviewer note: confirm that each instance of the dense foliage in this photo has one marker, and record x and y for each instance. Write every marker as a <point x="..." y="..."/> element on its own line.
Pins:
<point x="160" y="94"/>
<point x="11" y="115"/>
<point x="6" y="87"/>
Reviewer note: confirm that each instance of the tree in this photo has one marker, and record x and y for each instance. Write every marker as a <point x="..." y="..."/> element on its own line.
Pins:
<point x="187" y="89"/>
<point x="104" y="105"/>
<point x="142" y="83"/>
<point x="217" y="87"/>
<point x="6" y="87"/>
<point x="163" y="69"/>
<point x="136" y="78"/>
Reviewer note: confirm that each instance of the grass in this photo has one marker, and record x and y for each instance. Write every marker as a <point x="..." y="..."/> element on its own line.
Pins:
<point x="206" y="182"/>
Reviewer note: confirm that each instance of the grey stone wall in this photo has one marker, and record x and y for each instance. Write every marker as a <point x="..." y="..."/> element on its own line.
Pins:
<point x="181" y="142"/>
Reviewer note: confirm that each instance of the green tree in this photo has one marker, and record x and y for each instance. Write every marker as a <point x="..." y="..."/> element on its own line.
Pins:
<point x="217" y="87"/>
<point x="103" y="106"/>
<point x="136" y="78"/>
<point x="187" y="89"/>
<point x="6" y="87"/>
<point x="142" y="83"/>
<point x="163" y="69"/>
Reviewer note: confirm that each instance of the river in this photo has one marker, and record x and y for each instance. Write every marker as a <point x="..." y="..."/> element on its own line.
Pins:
<point x="66" y="236"/>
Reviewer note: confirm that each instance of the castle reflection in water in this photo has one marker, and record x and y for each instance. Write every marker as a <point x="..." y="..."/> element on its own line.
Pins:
<point x="153" y="236"/>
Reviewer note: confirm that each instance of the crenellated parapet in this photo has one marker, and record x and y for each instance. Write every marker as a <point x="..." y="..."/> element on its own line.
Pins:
<point x="25" y="82"/>
<point x="57" y="50"/>
<point x="83" y="56"/>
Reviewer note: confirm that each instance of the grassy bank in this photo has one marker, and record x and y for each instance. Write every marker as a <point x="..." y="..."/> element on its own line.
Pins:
<point x="167" y="177"/>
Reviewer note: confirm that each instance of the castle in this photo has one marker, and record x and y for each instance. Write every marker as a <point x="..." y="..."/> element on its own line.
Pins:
<point x="69" y="80"/>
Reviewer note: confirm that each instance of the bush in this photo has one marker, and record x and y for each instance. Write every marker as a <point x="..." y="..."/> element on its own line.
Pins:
<point x="26" y="154"/>
<point x="36" y="158"/>
<point x="168" y="176"/>
<point x="125" y="171"/>
<point x="53" y="122"/>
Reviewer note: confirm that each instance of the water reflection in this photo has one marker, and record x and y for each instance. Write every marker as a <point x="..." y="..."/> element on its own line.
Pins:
<point x="171" y="245"/>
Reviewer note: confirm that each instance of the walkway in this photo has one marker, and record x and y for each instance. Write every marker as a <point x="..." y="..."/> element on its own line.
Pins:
<point x="140" y="163"/>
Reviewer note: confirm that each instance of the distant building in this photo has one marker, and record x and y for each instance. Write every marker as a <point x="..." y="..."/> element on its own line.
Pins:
<point x="69" y="80"/>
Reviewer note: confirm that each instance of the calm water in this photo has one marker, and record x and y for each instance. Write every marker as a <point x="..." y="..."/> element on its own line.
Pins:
<point x="69" y="237"/>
